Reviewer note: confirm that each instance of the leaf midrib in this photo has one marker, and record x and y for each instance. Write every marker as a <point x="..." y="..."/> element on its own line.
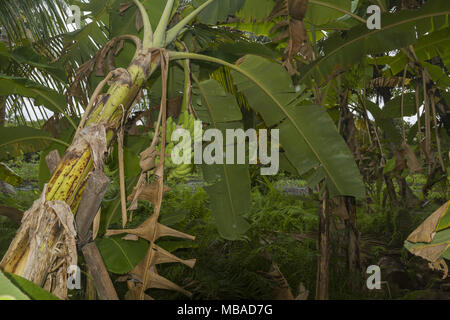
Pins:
<point x="268" y="93"/>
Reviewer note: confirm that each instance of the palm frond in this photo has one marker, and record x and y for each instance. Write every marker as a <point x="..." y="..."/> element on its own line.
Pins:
<point x="28" y="21"/>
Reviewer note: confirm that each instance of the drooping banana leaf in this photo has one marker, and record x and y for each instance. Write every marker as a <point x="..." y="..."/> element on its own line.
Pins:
<point x="431" y="240"/>
<point x="31" y="289"/>
<point x="218" y="11"/>
<point x="9" y="176"/>
<point x="427" y="47"/>
<point x="438" y="75"/>
<point x="22" y="139"/>
<point x="14" y="287"/>
<point x="26" y="55"/>
<point x="228" y="184"/>
<point x="321" y="12"/>
<point x="398" y="30"/>
<point x="8" y="291"/>
<point x="392" y="109"/>
<point x="383" y="121"/>
<point x="121" y="256"/>
<point x="49" y="98"/>
<point x="307" y="133"/>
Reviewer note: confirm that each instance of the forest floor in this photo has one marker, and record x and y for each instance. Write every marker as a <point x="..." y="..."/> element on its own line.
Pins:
<point x="279" y="248"/>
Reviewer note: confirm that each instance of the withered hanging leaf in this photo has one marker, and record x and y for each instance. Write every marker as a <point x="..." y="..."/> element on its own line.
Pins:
<point x="431" y="253"/>
<point x="411" y="159"/>
<point x="125" y="6"/>
<point x="148" y="192"/>
<point x="134" y="290"/>
<point x="148" y="229"/>
<point x="154" y="280"/>
<point x="282" y="291"/>
<point x="440" y="265"/>
<point x="148" y="157"/>
<point x="97" y="64"/>
<point x="158" y="282"/>
<point x="294" y="11"/>
<point x="163" y="256"/>
<point x="298" y="40"/>
<point x="436" y="228"/>
<point x="159" y="256"/>
<point x="280" y="9"/>
<point x="297" y="8"/>
<point x="139" y="21"/>
<point x="302" y="293"/>
<point x="427" y="230"/>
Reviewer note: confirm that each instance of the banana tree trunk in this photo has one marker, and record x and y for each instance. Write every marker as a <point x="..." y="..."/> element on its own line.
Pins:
<point x="345" y="207"/>
<point x="40" y="249"/>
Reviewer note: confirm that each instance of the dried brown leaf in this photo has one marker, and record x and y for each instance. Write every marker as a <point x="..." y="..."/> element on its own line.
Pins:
<point x="150" y="230"/>
<point x="139" y="22"/>
<point x="302" y="293"/>
<point x="411" y="159"/>
<point x="148" y="157"/>
<point x="431" y="253"/>
<point x="148" y="192"/>
<point x="52" y="160"/>
<point x="297" y="8"/>
<point x="426" y="231"/>
<point x="282" y="291"/>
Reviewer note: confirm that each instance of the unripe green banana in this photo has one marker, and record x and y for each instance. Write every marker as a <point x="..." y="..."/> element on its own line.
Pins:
<point x="185" y="121"/>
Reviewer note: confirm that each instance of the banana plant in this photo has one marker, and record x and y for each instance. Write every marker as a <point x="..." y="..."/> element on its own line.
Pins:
<point x="307" y="134"/>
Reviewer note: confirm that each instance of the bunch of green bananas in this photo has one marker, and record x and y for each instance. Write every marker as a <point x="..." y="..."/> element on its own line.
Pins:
<point x="187" y="122"/>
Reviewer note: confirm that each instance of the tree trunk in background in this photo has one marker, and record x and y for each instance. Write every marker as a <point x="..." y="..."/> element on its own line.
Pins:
<point x="390" y="189"/>
<point x="344" y="208"/>
<point x="323" y="262"/>
<point x="408" y="197"/>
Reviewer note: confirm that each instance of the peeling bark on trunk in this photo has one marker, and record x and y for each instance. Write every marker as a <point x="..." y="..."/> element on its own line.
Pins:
<point x="44" y="246"/>
<point x="40" y="247"/>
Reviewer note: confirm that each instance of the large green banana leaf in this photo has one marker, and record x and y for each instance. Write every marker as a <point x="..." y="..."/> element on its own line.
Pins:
<point x="320" y="12"/>
<point x="427" y="47"/>
<point x="14" y="287"/>
<point x="398" y="30"/>
<point x="9" y="176"/>
<point x="120" y="255"/>
<point x="42" y="95"/>
<point x="23" y="139"/>
<point x="307" y="133"/>
<point x="384" y="121"/>
<point x="228" y="184"/>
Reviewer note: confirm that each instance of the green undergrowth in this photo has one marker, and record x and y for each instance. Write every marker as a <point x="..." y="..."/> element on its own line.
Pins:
<point x="280" y="234"/>
<point x="283" y="233"/>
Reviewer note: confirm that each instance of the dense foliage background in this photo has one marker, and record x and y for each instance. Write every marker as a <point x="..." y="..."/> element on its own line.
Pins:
<point x="364" y="136"/>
